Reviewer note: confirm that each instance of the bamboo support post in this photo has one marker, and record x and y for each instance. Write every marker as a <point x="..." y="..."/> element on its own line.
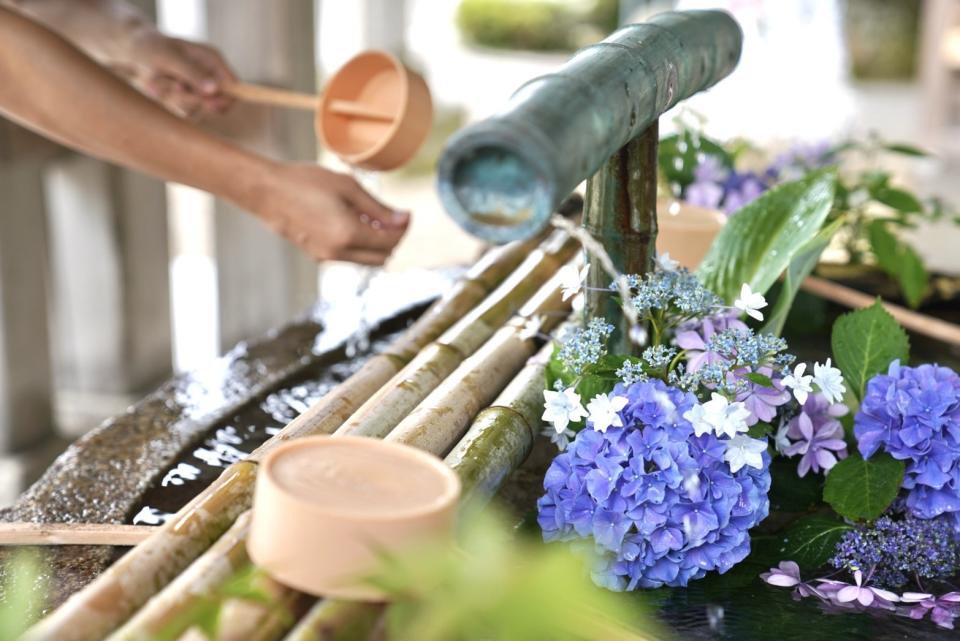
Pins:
<point x="385" y="409"/>
<point x="73" y="534"/>
<point x="621" y="212"/>
<point x="115" y="595"/>
<point x="916" y="322"/>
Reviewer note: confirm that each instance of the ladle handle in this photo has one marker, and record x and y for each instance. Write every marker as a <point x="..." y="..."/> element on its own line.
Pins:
<point x="271" y="96"/>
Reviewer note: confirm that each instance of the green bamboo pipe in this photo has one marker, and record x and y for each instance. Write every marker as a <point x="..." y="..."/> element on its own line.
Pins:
<point x="111" y="598"/>
<point x="501" y="178"/>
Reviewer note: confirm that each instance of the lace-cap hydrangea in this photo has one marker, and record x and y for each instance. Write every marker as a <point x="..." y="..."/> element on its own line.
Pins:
<point x="660" y="504"/>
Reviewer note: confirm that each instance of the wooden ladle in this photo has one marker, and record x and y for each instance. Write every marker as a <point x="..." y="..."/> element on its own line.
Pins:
<point x="375" y="113"/>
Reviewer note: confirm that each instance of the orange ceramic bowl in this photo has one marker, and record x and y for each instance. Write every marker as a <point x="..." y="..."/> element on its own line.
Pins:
<point x="375" y="113"/>
<point x="326" y="509"/>
<point x="686" y="231"/>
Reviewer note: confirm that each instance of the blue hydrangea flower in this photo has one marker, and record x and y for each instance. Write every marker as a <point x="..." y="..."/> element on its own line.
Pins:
<point x="656" y="504"/>
<point x="913" y="413"/>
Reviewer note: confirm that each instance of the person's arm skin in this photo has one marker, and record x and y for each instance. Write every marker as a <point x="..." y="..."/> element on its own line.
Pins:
<point x="187" y="77"/>
<point x="48" y="85"/>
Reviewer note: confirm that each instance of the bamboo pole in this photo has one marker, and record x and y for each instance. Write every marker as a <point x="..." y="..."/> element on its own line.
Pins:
<point x="168" y="611"/>
<point x="73" y="534"/>
<point x="441" y="419"/>
<point x="935" y="328"/>
<point x="621" y="213"/>
<point x="337" y="620"/>
<point x="112" y="597"/>
<point x="386" y="408"/>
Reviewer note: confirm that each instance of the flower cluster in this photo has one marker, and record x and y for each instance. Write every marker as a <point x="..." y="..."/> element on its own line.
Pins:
<point x="913" y="413"/>
<point x="860" y="596"/>
<point x="896" y="552"/>
<point x="660" y="503"/>
<point x="815" y="435"/>
<point x="675" y="292"/>
<point x="586" y="345"/>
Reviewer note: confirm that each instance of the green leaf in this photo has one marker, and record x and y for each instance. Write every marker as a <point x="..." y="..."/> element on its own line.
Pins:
<point x="759" y="242"/>
<point x="802" y="263"/>
<point x="864" y="343"/>
<point x="900" y="261"/>
<point x="760" y="430"/>
<point x="759" y="379"/>
<point x="897" y="199"/>
<point x="906" y="150"/>
<point x="812" y="540"/>
<point x="862" y="489"/>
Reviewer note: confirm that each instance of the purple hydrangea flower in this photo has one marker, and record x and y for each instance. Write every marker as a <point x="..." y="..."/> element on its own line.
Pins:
<point x="659" y="504"/>
<point x="741" y="190"/>
<point x="694" y="336"/>
<point x="816" y="435"/>
<point x="762" y="400"/>
<point x="913" y="413"/>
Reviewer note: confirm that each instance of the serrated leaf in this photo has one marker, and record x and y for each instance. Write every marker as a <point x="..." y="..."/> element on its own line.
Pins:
<point x="900" y="261"/>
<point x="812" y="540"/>
<point x="864" y="343"/>
<point x="758" y="243"/>
<point x="802" y="263"/>
<point x="906" y="150"/>
<point x="862" y="489"/>
<point x="897" y="199"/>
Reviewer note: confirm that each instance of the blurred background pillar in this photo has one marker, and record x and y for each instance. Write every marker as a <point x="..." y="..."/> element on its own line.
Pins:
<point x="261" y="279"/>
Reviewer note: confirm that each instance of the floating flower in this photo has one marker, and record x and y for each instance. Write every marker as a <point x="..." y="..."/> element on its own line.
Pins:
<point x="800" y="384"/>
<point x="913" y="413"/>
<point x="750" y="302"/>
<point x="604" y="410"/>
<point x="830" y="381"/>
<point x="718" y="416"/>
<point x="816" y="435"/>
<point x="571" y="280"/>
<point x="786" y="575"/>
<point x="745" y="451"/>
<point x="865" y="595"/>
<point x="630" y="492"/>
<point x="562" y="408"/>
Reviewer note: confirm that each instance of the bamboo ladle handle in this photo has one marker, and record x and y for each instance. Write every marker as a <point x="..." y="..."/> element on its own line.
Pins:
<point x="73" y="534"/>
<point x="263" y="95"/>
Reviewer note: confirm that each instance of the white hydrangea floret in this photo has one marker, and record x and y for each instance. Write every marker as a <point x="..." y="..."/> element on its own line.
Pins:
<point x="750" y="302"/>
<point x="830" y="381"/>
<point x="562" y="408"/>
<point x="604" y="411"/>
<point x="667" y="264"/>
<point x="799" y="383"/>
<point x="571" y="281"/>
<point x="743" y="450"/>
<point x="718" y="416"/>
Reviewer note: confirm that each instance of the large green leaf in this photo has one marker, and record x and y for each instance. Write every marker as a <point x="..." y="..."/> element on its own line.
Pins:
<point x="799" y="268"/>
<point x="864" y="343"/>
<point x="900" y="261"/>
<point x="902" y="201"/>
<point x="859" y="488"/>
<point x="812" y="540"/>
<point x="761" y="239"/>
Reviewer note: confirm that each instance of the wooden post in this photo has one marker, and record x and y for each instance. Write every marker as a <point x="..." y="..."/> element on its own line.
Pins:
<point x="111" y="286"/>
<point x="263" y="280"/>
<point x="621" y="212"/>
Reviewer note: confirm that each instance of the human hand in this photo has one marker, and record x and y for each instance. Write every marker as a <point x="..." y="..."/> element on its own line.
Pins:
<point x="186" y="77"/>
<point x="327" y="215"/>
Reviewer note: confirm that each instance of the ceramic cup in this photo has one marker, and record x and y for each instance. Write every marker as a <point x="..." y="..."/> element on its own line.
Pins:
<point x="377" y="82"/>
<point x="326" y="509"/>
<point x="686" y="231"/>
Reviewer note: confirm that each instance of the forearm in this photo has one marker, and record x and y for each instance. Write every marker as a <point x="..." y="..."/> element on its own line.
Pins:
<point x="47" y="85"/>
<point x="102" y="28"/>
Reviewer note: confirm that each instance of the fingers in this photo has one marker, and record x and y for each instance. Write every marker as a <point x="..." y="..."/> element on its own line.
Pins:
<point x="372" y="210"/>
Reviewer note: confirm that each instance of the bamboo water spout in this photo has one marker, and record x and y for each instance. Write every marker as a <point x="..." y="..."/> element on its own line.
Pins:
<point x="501" y="178"/>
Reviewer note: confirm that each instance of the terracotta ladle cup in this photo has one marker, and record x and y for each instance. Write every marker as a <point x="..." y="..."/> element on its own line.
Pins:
<point x="327" y="509"/>
<point x="686" y="231"/>
<point x="374" y="113"/>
